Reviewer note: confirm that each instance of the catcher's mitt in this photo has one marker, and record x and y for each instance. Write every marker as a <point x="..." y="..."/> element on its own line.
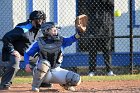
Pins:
<point x="81" y="22"/>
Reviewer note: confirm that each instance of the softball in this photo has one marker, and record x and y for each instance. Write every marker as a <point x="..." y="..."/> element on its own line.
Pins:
<point x="117" y="13"/>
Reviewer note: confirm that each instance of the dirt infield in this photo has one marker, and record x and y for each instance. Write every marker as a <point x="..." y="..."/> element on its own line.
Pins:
<point x="131" y="86"/>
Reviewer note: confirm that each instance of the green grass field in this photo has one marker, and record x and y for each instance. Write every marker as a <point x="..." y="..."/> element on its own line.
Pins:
<point x="28" y="79"/>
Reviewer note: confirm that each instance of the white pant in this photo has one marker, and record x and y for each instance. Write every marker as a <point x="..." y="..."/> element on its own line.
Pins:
<point x="57" y="75"/>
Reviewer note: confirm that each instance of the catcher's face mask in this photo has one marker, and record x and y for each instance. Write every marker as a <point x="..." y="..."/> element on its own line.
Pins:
<point x="50" y="30"/>
<point x="53" y="31"/>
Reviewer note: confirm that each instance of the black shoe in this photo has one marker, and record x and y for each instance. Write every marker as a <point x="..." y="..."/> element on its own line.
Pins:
<point x="48" y="85"/>
<point x="4" y="87"/>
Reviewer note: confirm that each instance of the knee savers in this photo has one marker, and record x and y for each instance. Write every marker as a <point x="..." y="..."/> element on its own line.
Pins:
<point x="43" y="66"/>
<point x="73" y="79"/>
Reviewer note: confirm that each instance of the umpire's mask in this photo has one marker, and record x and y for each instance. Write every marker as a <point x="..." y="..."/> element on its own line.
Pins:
<point x="38" y="17"/>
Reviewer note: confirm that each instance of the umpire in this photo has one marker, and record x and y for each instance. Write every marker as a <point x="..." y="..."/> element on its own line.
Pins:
<point x="16" y="41"/>
<point x="101" y="26"/>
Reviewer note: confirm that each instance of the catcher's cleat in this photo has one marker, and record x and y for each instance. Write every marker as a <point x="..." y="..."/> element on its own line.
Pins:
<point x="47" y="85"/>
<point x="110" y="73"/>
<point x="69" y="88"/>
<point x="35" y="89"/>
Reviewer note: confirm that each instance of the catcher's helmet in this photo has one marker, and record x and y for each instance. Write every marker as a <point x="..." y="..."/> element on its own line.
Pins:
<point x="48" y="25"/>
<point x="45" y="28"/>
<point x="37" y="15"/>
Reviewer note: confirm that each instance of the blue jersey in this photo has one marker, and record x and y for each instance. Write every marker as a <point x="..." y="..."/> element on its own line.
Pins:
<point x="34" y="48"/>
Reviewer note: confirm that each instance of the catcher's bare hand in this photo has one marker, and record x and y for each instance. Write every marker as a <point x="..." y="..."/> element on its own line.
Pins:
<point x="81" y="22"/>
<point x="27" y="68"/>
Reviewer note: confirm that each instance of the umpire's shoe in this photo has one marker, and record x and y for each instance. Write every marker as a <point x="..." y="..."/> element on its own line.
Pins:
<point x="2" y="87"/>
<point x="47" y="85"/>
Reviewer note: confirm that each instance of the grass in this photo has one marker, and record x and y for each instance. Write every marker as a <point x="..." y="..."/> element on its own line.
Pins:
<point x="111" y="78"/>
<point x="22" y="80"/>
<point x="28" y="79"/>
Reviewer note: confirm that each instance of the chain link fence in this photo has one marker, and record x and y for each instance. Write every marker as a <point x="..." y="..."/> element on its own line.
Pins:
<point x="110" y="41"/>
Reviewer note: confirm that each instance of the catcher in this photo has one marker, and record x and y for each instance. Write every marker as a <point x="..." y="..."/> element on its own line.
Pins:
<point x="50" y="48"/>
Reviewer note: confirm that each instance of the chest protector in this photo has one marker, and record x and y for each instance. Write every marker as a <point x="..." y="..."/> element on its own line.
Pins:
<point x="51" y="50"/>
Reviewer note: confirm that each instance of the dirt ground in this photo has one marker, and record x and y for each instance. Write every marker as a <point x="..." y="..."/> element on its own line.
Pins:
<point x="132" y="86"/>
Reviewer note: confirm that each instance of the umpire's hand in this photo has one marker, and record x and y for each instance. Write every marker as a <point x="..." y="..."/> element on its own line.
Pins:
<point x="16" y="53"/>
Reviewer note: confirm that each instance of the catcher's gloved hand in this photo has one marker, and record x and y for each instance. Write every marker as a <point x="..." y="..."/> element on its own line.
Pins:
<point x="81" y="23"/>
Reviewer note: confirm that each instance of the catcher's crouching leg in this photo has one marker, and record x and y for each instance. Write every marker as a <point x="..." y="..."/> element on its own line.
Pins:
<point x="39" y="73"/>
<point x="72" y="79"/>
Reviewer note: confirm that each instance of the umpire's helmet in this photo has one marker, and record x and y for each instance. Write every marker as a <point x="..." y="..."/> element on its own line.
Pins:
<point x="37" y="15"/>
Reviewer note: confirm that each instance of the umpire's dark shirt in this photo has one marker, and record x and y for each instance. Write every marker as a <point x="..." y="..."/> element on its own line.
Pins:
<point x="19" y="39"/>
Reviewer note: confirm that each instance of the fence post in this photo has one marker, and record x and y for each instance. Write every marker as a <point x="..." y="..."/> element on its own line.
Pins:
<point x="131" y="37"/>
